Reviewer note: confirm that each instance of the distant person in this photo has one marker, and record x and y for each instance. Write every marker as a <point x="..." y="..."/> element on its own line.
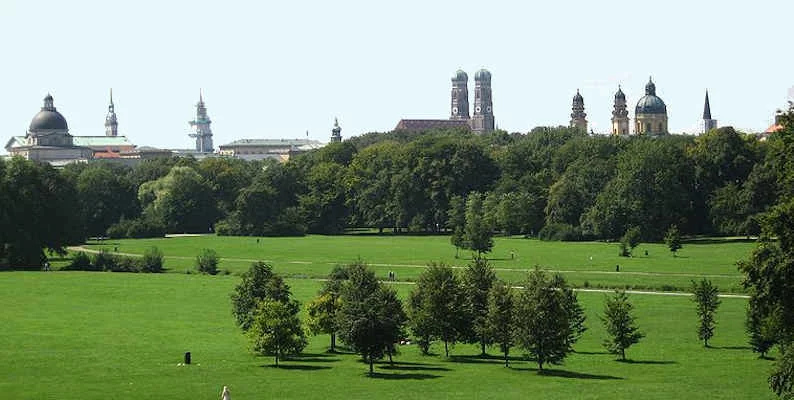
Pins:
<point x="225" y="395"/>
<point x="646" y="253"/>
<point x="46" y="266"/>
<point x="512" y="255"/>
<point x="617" y="267"/>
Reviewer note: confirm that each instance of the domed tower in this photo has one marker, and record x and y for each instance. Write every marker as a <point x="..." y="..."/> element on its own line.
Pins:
<point x="201" y="124"/>
<point x="483" y="119"/>
<point x="650" y="115"/>
<point x="620" y="115"/>
<point x="578" y="115"/>
<point x="336" y="132"/>
<point x="48" y="127"/>
<point x="460" y="96"/>
<point x="111" y="123"/>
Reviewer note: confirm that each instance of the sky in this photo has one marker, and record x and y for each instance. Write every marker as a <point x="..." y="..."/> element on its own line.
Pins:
<point x="277" y="69"/>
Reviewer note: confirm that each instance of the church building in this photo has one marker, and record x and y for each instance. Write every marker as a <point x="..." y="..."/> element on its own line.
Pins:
<point x="650" y="115"/>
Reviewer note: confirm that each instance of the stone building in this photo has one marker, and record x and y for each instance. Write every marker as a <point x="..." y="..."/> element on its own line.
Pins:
<point x="261" y="149"/>
<point x="336" y="132"/>
<point x="578" y="115"/>
<point x="460" y="96"/>
<point x="483" y="118"/>
<point x="650" y="115"/>
<point x="201" y="124"/>
<point x="620" y="114"/>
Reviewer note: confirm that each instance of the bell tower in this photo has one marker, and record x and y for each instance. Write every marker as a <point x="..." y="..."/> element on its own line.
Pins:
<point x="201" y="124"/>
<point x="578" y="115"/>
<point x="336" y="132"/>
<point x="620" y="115"/>
<point x="483" y="119"/>
<point x="111" y="123"/>
<point x="460" y="96"/>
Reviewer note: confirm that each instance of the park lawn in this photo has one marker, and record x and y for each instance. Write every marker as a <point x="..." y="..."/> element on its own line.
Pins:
<point x="82" y="335"/>
<point x="585" y="264"/>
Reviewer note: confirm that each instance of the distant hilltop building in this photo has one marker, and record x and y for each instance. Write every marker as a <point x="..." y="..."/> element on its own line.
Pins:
<point x="578" y="115"/>
<point x="336" y="132"/>
<point x="650" y="115"/>
<point x="48" y="139"/>
<point x="111" y="122"/>
<point x="620" y="114"/>
<point x="261" y="149"/>
<point x="708" y="122"/>
<point x="482" y="119"/>
<point x="201" y="124"/>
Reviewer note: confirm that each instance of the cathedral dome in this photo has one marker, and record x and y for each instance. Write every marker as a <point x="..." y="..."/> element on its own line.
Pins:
<point x="460" y="75"/>
<point x="482" y="75"/>
<point x="48" y="118"/>
<point x="650" y="103"/>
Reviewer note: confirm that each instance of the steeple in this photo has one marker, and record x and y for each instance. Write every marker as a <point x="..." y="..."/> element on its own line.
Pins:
<point x="336" y="132"/>
<point x="578" y="115"/>
<point x="111" y="122"/>
<point x="650" y="87"/>
<point x="708" y="122"/>
<point x="201" y="124"/>
<point x="460" y="96"/>
<point x="620" y="115"/>
<point x="483" y="119"/>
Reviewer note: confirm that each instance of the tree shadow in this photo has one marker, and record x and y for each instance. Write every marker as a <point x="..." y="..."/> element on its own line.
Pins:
<point x="731" y="347"/>
<point x="297" y="367"/>
<point x="591" y="353"/>
<point x="411" y="366"/>
<point x="647" y="362"/>
<point x="486" y="359"/>
<point x="412" y="376"/>
<point x="312" y="357"/>
<point x="560" y="373"/>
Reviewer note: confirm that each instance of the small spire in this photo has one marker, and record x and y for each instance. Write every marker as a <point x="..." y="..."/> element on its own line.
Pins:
<point x="336" y="122"/>
<point x="707" y="108"/>
<point x="201" y="96"/>
<point x="111" y="96"/>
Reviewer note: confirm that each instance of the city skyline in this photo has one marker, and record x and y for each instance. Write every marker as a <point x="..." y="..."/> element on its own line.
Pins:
<point x="293" y="70"/>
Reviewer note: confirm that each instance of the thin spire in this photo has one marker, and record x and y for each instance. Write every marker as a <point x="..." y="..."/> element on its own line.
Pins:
<point x="111" y="96"/>
<point x="201" y="96"/>
<point x="707" y="108"/>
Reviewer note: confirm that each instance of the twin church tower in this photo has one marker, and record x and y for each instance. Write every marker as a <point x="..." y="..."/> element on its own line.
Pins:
<point x="483" y="118"/>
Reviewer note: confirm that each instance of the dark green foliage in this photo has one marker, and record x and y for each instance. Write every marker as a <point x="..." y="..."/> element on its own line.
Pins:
<point x="478" y="279"/>
<point x="257" y="284"/>
<point x="106" y="196"/>
<point x="501" y="318"/>
<point x="437" y="307"/>
<point x="560" y="232"/>
<point x="478" y="229"/>
<point x="80" y="262"/>
<point x="707" y="300"/>
<point x="782" y="379"/>
<point x="207" y="262"/>
<point x="371" y="318"/>
<point x="182" y="201"/>
<point x="673" y="239"/>
<point x="546" y="319"/>
<point x="276" y="330"/>
<point x="457" y="222"/>
<point x="137" y="228"/>
<point x="324" y="309"/>
<point x="619" y="322"/>
<point x="324" y="207"/>
<point x="152" y="260"/>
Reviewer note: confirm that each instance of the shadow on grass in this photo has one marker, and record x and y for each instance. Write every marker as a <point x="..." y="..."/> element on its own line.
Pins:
<point x="731" y="348"/>
<point x="486" y="359"/>
<point x="591" y="353"/>
<point x="297" y="367"/>
<point x="717" y="240"/>
<point x="647" y="362"/>
<point x="411" y="366"/>
<point x="313" y="357"/>
<point x="378" y="375"/>
<point x="560" y="373"/>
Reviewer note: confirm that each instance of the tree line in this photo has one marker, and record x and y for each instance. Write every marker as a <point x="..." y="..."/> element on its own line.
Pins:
<point x="553" y="183"/>
<point x="543" y="317"/>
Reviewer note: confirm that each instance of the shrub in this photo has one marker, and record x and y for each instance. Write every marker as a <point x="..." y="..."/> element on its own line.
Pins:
<point x="152" y="260"/>
<point x="80" y="262"/>
<point x="136" y="229"/>
<point x="560" y="232"/>
<point x="104" y="261"/>
<point x="207" y="262"/>
<point x="127" y="264"/>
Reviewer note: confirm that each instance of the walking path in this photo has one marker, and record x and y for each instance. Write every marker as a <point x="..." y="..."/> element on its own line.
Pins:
<point x="586" y="290"/>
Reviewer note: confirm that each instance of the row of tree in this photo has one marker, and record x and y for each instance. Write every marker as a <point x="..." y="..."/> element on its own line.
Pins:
<point x="543" y="317"/>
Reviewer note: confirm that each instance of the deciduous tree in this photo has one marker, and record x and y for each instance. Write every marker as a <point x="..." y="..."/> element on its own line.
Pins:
<point x="707" y="298"/>
<point x="501" y="318"/>
<point x="276" y="329"/>
<point x="620" y="324"/>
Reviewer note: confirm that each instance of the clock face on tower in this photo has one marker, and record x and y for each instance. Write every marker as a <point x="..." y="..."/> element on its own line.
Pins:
<point x="477" y="109"/>
<point x="455" y="110"/>
<point x="488" y="109"/>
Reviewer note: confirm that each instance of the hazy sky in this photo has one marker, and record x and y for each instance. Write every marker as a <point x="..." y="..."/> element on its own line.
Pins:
<point x="276" y="69"/>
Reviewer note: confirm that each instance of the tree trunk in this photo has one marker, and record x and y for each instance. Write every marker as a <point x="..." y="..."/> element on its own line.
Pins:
<point x="333" y="342"/>
<point x="482" y="347"/>
<point x="540" y="365"/>
<point x="623" y="354"/>
<point x="507" y="363"/>
<point x="446" y="348"/>
<point x="276" y="360"/>
<point x="391" y="362"/>
<point x="371" y="369"/>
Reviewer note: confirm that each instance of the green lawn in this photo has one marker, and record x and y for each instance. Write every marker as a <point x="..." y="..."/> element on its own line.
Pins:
<point x="583" y="264"/>
<point x="81" y="335"/>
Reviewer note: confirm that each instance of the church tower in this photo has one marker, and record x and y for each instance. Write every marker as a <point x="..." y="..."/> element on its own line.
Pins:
<point x="708" y="123"/>
<point x="620" y="115"/>
<point x="578" y="115"/>
<point x="460" y="96"/>
<point x="650" y="115"/>
<point x="111" y="123"/>
<point x="201" y="124"/>
<point x="336" y="132"/>
<point x="483" y="120"/>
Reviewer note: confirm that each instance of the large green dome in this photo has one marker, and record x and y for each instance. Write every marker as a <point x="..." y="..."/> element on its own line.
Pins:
<point x="650" y="103"/>
<point x="482" y="75"/>
<point x="460" y="75"/>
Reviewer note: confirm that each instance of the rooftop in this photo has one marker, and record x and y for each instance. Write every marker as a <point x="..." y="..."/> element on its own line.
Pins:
<point x="272" y="143"/>
<point x="426" y="124"/>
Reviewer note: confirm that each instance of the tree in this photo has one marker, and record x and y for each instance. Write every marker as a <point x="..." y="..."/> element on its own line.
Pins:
<point x="620" y="324"/>
<point x="478" y="279"/>
<point x="324" y="206"/>
<point x="371" y="317"/>
<point x="437" y="306"/>
<point x="673" y="239"/>
<point x="207" y="262"/>
<point x="321" y="316"/>
<point x="182" y="200"/>
<point x="257" y="284"/>
<point x="782" y="379"/>
<point x="501" y="318"/>
<point x="276" y="329"/>
<point x="629" y="241"/>
<point x="105" y="196"/>
<point x="457" y="222"/>
<point x="707" y="300"/>
<point x="543" y="320"/>
<point x="478" y="232"/>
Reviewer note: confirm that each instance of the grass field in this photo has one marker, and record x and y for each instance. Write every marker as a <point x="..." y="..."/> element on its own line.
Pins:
<point x="584" y="264"/>
<point x="81" y="335"/>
